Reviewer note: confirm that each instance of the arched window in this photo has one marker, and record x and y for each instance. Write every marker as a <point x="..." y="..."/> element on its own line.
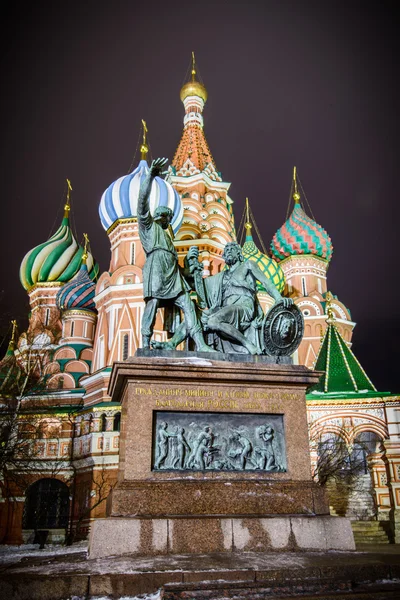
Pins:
<point x="117" y="422"/>
<point x="365" y="443"/>
<point x="103" y="422"/>
<point x="46" y="505"/>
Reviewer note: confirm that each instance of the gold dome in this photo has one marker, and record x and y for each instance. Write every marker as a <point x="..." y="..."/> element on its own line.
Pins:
<point x="193" y="88"/>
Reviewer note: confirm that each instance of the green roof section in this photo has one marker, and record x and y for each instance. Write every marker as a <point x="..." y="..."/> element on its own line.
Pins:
<point x="342" y="371"/>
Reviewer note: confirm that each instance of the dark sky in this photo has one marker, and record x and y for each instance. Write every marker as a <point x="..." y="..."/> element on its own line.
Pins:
<point x="305" y="83"/>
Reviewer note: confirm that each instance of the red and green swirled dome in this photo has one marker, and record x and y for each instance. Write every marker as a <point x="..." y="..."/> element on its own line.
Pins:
<point x="301" y="235"/>
<point x="268" y="265"/>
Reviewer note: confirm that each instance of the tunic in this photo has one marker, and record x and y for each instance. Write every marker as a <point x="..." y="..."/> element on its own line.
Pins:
<point x="162" y="278"/>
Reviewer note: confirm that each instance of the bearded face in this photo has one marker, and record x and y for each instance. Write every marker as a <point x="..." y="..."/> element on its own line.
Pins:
<point x="232" y="254"/>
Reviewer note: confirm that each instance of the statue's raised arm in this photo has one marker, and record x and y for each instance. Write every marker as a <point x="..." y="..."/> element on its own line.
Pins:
<point x="143" y="206"/>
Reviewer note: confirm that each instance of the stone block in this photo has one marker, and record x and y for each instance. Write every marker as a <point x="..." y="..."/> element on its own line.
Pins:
<point x="309" y="533"/>
<point x="338" y="533"/>
<point x="115" y="536"/>
<point x="129" y="585"/>
<point x="278" y="531"/>
<point x="39" y="587"/>
<point x="198" y="536"/>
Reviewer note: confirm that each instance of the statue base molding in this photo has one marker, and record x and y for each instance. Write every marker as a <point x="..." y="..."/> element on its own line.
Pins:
<point x="214" y="457"/>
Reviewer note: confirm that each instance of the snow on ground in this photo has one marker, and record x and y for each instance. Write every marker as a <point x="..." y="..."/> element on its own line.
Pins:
<point x="13" y="554"/>
<point x="157" y="596"/>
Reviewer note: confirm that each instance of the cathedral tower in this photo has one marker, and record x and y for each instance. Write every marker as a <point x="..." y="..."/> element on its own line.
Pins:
<point x="303" y="249"/>
<point x="207" y="208"/>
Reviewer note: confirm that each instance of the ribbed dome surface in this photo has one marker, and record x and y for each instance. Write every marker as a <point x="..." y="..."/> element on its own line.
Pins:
<point x="57" y="260"/>
<point x="267" y="265"/>
<point x="78" y="293"/>
<point x="119" y="201"/>
<point x="301" y="235"/>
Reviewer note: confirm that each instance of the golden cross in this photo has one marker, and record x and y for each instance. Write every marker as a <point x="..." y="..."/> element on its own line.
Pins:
<point x="86" y="238"/>
<point x="69" y="189"/>
<point x="193" y="66"/>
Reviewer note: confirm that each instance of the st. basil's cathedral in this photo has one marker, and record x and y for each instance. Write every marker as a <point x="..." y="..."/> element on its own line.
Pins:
<point x="82" y="321"/>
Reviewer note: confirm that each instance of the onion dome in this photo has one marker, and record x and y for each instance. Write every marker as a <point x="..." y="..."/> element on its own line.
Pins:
<point x="301" y="235"/>
<point x="57" y="260"/>
<point x="78" y="293"/>
<point x="119" y="201"/>
<point x="268" y="265"/>
<point x="193" y="87"/>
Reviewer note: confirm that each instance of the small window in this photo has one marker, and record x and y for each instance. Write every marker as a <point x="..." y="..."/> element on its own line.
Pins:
<point x="72" y="328"/>
<point x="85" y="329"/>
<point x="319" y="284"/>
<point x="132" y="254"/>
<point x="304" y="286"/>
<point x="103" y="422"/>
<point x="47" y="317"/>
<point x="125" y="346"/>
<point x="117" y="422"/>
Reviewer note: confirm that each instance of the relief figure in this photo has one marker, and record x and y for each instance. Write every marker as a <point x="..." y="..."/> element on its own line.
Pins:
<point x="163" y="443"/>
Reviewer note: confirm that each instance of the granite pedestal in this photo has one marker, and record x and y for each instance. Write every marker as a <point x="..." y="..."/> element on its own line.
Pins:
<point x="266" y="501"/>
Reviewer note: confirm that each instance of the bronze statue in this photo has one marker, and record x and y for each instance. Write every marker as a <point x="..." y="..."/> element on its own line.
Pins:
<point x="163" y="282"/>
<point x="234" y="313"/>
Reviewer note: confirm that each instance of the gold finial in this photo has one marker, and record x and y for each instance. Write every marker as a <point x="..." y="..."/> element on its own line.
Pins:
<point x="85" y="248"/>
<point x="144" y="147"/>
<point x="296" y="195"/>
<point x="248" y="225"/>
<point x="67" y="206"/>
<point x="193" y="67"/>
<point x="329" y="310"/>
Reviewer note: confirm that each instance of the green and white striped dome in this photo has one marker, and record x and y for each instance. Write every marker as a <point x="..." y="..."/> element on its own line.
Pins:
<point x="57" y="260"/>
<point x="267" y="265"/>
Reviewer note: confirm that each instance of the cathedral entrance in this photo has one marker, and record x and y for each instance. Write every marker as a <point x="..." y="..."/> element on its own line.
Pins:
<point x="350" y="485"/>
<point x="46" y="509"/>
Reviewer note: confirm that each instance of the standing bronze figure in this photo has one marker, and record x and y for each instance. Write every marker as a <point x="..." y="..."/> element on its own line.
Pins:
<point x="163" y="282"/>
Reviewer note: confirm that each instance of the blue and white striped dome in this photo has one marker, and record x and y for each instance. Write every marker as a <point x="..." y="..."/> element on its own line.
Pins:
<point x="119" y="201"/>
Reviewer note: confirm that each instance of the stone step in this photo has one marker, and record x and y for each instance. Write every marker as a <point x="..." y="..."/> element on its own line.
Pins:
<point x="371" y="532"/>
<point x="359" y="526"/>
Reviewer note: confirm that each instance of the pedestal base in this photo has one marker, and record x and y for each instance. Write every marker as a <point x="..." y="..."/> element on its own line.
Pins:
<point x="154" y="537"/>
<point x="214" y="457"/>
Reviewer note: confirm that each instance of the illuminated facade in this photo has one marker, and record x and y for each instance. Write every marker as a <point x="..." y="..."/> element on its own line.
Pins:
<point x="81" y="323"/>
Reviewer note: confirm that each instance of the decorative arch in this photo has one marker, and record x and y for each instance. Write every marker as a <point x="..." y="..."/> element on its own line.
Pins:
<point x="64" y="352"/>
<point x="103" y="283"/>
<point x="61" y="381"/>
<point x="126" y="271"/>
<point x="52" y="368"/>
<point x="76" y="366"/>
<point x="316" y="309"/>
<point x="378" y="428"/>
<point x="87" y="354"/>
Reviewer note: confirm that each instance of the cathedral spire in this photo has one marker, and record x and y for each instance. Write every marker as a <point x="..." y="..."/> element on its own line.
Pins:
<point x="247" y="224"/>
<point x="13" y="339"/>
<point x="193" y="154"/>
<point x="342" y="373"/>
<point x="67" y="206"/>
<point x="296" y="195"/>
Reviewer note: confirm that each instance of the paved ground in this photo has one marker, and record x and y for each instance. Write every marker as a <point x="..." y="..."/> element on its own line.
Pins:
<point x="371" y="572"/>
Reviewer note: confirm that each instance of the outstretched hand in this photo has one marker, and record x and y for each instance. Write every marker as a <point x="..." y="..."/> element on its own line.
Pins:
<point x="157" y="167"/>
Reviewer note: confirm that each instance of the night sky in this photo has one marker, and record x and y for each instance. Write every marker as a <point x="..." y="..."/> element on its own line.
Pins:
<point x="305" y="83"/>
